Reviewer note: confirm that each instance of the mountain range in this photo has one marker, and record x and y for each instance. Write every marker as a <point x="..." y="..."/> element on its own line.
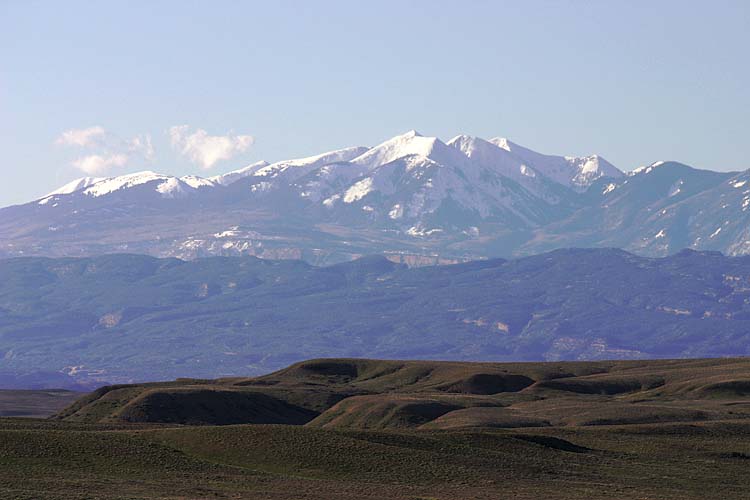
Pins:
<point x="415" y="199"/>
<point x="74" y="322"/>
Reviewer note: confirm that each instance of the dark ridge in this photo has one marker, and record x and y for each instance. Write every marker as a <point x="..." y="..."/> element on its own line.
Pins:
<point x="213" y="407"/>
<point x="552" y="442"/>
<point x="490" y="383"/>
<point x="607" y="386"/>
<point x="330" y="369"/>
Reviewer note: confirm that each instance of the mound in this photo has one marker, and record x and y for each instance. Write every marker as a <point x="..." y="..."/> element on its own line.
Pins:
<point x="211" y="407"/>
<point x="169" y="403"/>
<point x="101" y="403"/>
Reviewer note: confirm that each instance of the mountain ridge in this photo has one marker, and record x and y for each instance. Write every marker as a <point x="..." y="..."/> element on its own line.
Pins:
<point x="412" y="196"/>
<point x="74" y="322"/>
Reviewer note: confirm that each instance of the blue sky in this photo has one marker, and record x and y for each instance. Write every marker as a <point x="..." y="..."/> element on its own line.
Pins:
<point x="635" y="81"/>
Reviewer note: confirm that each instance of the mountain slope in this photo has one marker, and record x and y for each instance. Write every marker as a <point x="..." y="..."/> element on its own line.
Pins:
<point x="578" y="172"/>
<point x="123" y="317"/>
<point x="654" y="211"/>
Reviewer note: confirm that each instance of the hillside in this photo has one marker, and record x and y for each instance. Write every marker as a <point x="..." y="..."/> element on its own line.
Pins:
<point x="388" y="395"/>
<point x="119" y="318"/>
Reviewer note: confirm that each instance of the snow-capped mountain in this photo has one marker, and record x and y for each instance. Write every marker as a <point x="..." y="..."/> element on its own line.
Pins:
<point x="473" y="158"/>
<point x="577" y="172"/>
<point x="414" y="197"/>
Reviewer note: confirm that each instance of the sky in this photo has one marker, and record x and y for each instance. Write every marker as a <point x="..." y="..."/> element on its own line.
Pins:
<point x="181" y="87"/>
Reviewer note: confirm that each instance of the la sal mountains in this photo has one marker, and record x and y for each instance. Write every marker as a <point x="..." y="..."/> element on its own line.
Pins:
<point x="412" y="198"/>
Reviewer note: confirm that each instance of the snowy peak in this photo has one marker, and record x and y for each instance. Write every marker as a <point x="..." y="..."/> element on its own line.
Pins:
<point x="493" y="158"/>
<point x="196" y="182"/>
<point x="576" y="172"/>
<point x="107" y="186"/>
<point x="590" y="168"/>
<point x="504" y="143"/>
<point x="472" y="164"/>
<point x="409" y="144"/>
<point x="293" y="169"/>
<point x="235" y="175"/>
<point x="75" y="185"/>
<point x="167" y="186"/>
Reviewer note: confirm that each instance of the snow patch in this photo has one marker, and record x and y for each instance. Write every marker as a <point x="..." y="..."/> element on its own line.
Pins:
<point x="676" y="188"/>
<point x="358" y="190"/>
<point x="420" y="231"/>
<point x="397" y="211"/>
<point x="229" y="233"/>
<point x="170" y="188"/>
<point x="77" y="185"/>
<point x="528" y="172"/>
<point x="646" y="168"/>
<point x="235" y="175"/>
<point x="196" y="182"/>
<point x="329" y="202"/>
<point x="260" y="187"/>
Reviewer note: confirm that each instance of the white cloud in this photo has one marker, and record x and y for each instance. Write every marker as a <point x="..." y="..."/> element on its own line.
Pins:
<point x="81" y="137"/>
<point x="98" y="164"/>
<point x="105" y="151"/>
<point x="141" y="145"/>
<point x="207" y="150"/>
